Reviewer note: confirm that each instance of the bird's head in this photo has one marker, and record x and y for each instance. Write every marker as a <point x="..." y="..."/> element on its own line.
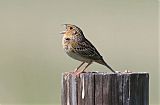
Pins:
<point x="72" y="30"/>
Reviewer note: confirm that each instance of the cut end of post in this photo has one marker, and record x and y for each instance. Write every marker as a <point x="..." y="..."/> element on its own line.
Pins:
<point x="102" y="88"/>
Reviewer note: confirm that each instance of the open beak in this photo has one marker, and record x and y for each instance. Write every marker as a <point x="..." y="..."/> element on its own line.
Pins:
<point x="63" y="32"/>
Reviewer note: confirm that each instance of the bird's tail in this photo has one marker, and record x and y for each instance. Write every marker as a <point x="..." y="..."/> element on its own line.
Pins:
<point x="105" y="64"/>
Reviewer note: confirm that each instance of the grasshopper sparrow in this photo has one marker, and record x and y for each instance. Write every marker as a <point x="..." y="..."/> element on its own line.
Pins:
<point x="78" y="47"/>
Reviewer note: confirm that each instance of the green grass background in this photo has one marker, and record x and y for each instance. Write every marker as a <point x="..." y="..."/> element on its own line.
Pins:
<point x="31" y="56"/>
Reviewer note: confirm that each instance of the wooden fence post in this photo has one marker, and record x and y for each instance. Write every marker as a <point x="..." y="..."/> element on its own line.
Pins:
<point x="105" y="89"/>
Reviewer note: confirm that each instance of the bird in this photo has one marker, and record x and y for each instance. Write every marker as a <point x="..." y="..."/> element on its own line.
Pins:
<point x="77" y="46"/>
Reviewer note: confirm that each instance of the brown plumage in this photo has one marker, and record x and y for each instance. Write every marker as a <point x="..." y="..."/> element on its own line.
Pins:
<point x="78" y="47"/>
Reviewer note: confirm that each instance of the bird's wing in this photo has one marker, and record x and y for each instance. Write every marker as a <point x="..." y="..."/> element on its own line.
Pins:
<point x="87" y="50"/>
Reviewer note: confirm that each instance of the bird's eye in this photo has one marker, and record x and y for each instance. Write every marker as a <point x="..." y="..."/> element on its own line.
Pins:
<point x="70" y="28"/>
<point x="67" y="38"/>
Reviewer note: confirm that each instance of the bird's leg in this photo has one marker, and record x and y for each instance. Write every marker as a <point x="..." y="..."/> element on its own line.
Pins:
<point x="84" y="68"/>
<point x="79" y="66"/>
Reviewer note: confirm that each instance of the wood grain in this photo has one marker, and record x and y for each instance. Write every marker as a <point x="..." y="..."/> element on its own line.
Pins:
<point x="102" y="88"/>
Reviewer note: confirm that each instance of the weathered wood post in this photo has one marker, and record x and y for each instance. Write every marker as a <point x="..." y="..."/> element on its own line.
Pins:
<point x="105" y="89"/>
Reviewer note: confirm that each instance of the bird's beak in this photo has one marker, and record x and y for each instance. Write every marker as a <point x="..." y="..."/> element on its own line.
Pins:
<point x="64" y="25"/>
<point x="63" y="32"/>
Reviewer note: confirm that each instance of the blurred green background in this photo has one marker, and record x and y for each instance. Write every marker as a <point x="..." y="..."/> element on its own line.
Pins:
<point x="31" y="56"/>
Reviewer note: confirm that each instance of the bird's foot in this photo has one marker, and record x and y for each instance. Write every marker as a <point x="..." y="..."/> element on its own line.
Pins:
<point x="68" y="73"/>
<point x="77" y="73"/>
